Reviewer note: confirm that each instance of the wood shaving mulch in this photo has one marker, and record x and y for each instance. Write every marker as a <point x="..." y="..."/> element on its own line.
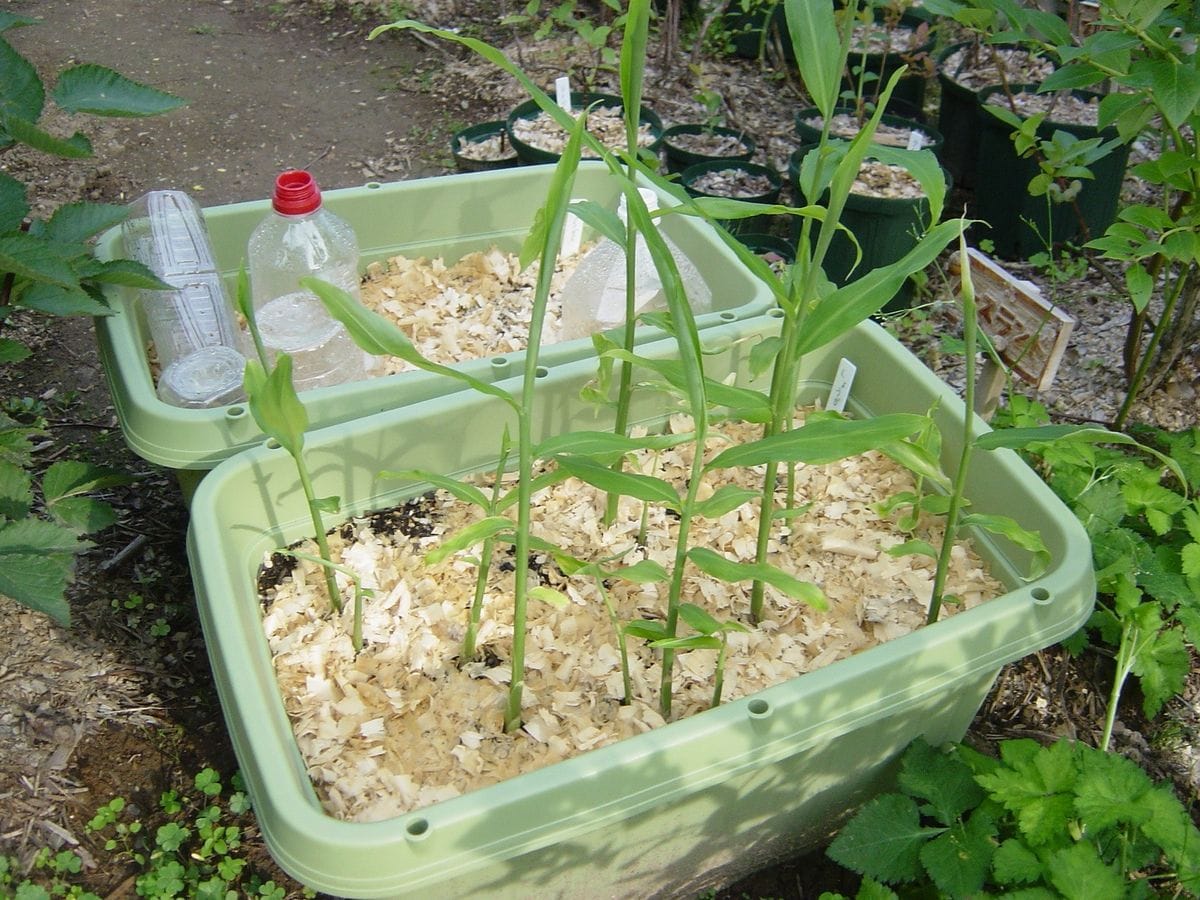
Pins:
<point x="878" y="179"/>
<point x="709" y="143"/>
<point x="977" y="67"/>
<point x="846" y="126"/>
<point x="401" y="725"/>
<point x="736" y="183"/>
<point x="479" y="306"/>
<point x="489" y="149"/>
<point x="605" y="123"/>
<point x="1062" y="106"/>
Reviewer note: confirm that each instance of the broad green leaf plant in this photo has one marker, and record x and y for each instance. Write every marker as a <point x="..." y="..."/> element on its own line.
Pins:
<point x="46" y="268"/>
<point x="1145" y="53"/>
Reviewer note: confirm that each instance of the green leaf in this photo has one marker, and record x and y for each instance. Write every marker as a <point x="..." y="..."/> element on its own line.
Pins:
<point x="629" y="484"/>
<point x="36" y="562"/>
<point x="77" y="146"/>
<point x="1189" y="560"/>
<point x="13" y="205"/>
<point x="601" y="443"/>
<point x="917" y="460"/>
<point x="21" y="93"/>
<point x="1014" y="863"/>
<point x="76" y="222"/>
<point x="15" y="20"/>
<point x="1076" y="75"/>
<point x="1036" y="785"/>
<point x="688" y="642"/>
<point x="648" y="629"/>
<point x="127" y="272"/>
<point x="1162" y="669"/>
<point x="84" y="515"/>
<point x="698" y="618"/>
<point x="381" y="336"/>
<point x="884" y="840"/>
<point x="633" y="64"/>
<point x="1079" y="874"/>
<point x="58" y="301"/>
<point x="16" y="491"/>
<point x="726" y="498"/>
<point x="844" y="308"/>
<point x="818" y="50"/>
<point x="821" y="442"/>
<point x="751" y="405"/>
<point x="714" y="564"/>
<point x="958" y="860"/>
<point x="36" y="259"/>
<point x="941" y="779"/>
<point x="923" y="165"/>
<point x="550" y="596"/>
<point x="13" y="351"/>
<point x="762" y="355"/>
<point x="102" y="92"/>
<point x="1109" y="792"/>
<point x="456" y="487"/>
<point x="601" y="218"/>
<point x="1024" y="538"/>
<point x="1140" y="286"/>
<point x="914" y="547"/>
<point x="1174" y="88"/>
<point x="475" y="533"/>
<point x="274" y="405"/>
<point x="645" y="571"/>
<point x="70" y="478"/>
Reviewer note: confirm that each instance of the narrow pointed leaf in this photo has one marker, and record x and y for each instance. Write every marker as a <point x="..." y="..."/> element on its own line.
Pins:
<point x="633" y="63"/>
<point x="127" y="272"/>
<point x="917" y="460"/>
<point x="594" y="443"/>
<point x="726" y="498"/>
<point x="77" y="146"/>
<point x="550" y="596"/>
<point x="688" y="642"/>
<point x="698" y="618"/>
<point x="647" y="629"/>
<point x="712" y="563"/>
<point x="1022" y="537"/>
<point x="603" y="220"/>
<point x="821" y="442"/>
<point x="465" y="492"/>
<point x="382" y="337"/>
<point x="473" y="534"/>
<point x="629" y="484"/>
<point x="645" y="571"/>
<point x="274" y="405"/>
<point x="818" y="50"/>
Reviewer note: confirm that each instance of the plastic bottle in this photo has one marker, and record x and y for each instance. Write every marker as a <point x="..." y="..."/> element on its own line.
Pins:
<point x="198" y="344"/>
<point x="301" y="238"/>
<point x="593" y="297"/>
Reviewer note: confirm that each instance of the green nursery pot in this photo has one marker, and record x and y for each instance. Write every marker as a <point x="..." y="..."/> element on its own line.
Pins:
<point x="1020" y="223"/>
<point x="672" y="812"/>
<point x="531" y="155"/>
<point x="461" y="141"/>
<point x="678" y="157"/>
<point x="449" y="216"/>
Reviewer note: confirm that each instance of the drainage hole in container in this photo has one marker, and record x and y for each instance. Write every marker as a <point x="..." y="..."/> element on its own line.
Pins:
<point x="417" y="828"/>
<point x="542" y="372"/>
<point x="1041" y="596"/>
<point x="235" y="412"/>
<point x="775" y="313"/>
<point x="759" y="709"/>
<point x="727" y="316"/>
<point x="373" y="185"/>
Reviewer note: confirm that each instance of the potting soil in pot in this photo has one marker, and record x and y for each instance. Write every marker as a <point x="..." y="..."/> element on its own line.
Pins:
<point x="879" y="179"/>
<point x="1059" y="107"/>
<point x="979" y="67"/>
<point x="877" y="38"/>
<point x="845" y="126"/>
<point x="605" y="123"/>
<point x="402" y="725"/>
<point x="733" y="182"/>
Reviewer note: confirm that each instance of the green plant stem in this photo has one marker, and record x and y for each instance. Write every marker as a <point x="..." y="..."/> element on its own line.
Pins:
<point x="485" y="566"/>
<point x="1160" y="329"/>
<point x="625" y="378"/>
<point x="310" y="496"/>
<point x="970" y="335"/>
<point x="1126" y="654"/>
<point x="622" y="644"/>
<point x="681" y="551"/>
<point x="719" y="674"/>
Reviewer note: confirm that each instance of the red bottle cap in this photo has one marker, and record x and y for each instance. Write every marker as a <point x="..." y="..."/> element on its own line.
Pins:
<point x="296" y="193"/>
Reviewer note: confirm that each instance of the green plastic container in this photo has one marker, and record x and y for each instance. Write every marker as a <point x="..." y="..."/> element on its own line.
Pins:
<point x="671" y="812"/>
<point x="1020" y="223"/>
<point x="448" y="216"/>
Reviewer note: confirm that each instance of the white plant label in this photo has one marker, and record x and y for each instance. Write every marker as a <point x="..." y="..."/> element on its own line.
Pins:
<point x="842" y="381"/>
<point x="572" y="236"/>
<point x="562" y="92"/>
<point x="916" y="140"/>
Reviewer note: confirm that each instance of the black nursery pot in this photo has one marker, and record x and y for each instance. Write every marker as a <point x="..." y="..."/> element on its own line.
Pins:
<point x="1020" y="223"/>
<point x="531" y="155"/>
<point x="679" y="158"/>
<point x="751" y="30"/>
<point x="692" y="174"/>
<point x="910" y="90"/>
<point x="810" y="135"/>
<point x="477" y="133"/>
<point x="958" y="118"/>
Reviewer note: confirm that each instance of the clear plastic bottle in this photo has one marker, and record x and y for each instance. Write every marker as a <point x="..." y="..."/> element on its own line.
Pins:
<point x="197" y="342"/>
<point x="301" y="238"/>
<point x="593" y="297"/>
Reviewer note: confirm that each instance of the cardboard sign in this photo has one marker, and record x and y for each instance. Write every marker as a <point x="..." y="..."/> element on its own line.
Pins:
<point x="1028" y="332"/>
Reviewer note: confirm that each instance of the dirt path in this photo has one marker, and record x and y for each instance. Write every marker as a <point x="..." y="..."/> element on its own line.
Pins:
<point x="267" y="91"/>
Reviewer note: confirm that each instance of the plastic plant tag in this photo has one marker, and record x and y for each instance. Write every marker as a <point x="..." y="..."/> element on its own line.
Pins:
<point x="842" y="381"/>
<point x="562" y="92"/>
<point x="572" y="236"/>
<point x="916" y="140"/>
